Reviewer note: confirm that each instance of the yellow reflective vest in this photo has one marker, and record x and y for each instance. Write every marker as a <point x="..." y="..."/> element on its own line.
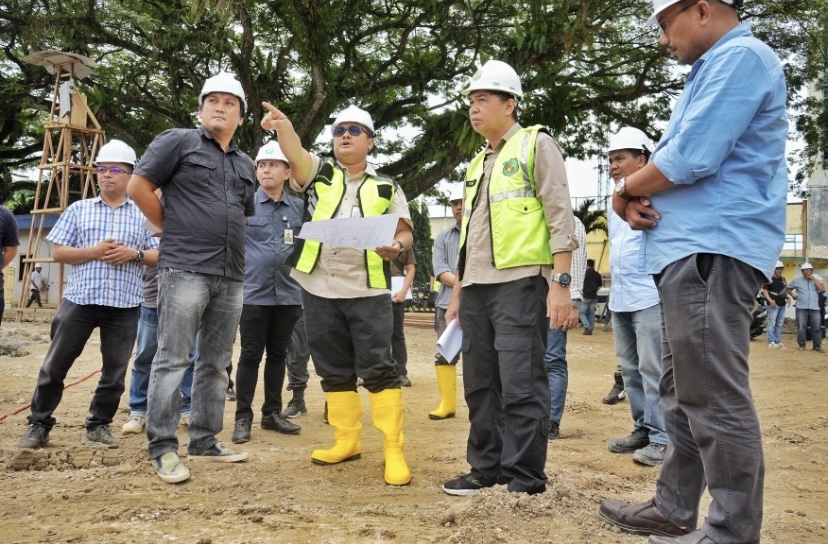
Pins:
<point x="520" y="235"/>
<point x="322" y="201"/>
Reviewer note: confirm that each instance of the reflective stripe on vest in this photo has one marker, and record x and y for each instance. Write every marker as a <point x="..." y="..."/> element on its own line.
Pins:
<point x="327" y="191"/>
<point x="520" y="235"/>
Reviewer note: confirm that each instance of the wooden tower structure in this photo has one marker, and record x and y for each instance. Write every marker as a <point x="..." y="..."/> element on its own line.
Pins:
<point x="72" y="137"/>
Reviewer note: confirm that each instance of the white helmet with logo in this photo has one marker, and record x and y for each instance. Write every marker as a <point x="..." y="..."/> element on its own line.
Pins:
<point x="630" y="138"/>
<point x="353" y="114"/>
<point x="458" y="192"/>
<point x="495" y="75"/>
<point x="271" y="152"/>
<point x="661" y="5"/>
<point x="223" y="83"/>
<point x="116" y="151"/>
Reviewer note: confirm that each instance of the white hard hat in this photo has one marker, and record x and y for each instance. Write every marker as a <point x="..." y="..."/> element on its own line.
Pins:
<point x="661" y="5"/>
<point x="271" y="152"/>
<point x="223" y="82"/>
<point x="38" y="265"/>
<point x="457" y="192"/>
<point x="353" y="114"/>
<point x="116" y="151"/>
<point x="630" y="138"/>
<point x="806" y="265"/>
<point x="495" y="75"/>
<point x="779" y="264"/>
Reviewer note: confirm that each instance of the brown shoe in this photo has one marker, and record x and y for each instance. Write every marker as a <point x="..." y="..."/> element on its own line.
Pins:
<point x="639" y="519"/>
<point x="696" y="537"/>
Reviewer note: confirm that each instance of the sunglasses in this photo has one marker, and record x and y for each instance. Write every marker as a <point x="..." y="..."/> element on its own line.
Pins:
<point x="353" y="130"/>
<point x="114" y="169"/>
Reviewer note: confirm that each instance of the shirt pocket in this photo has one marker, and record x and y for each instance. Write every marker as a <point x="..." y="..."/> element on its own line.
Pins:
<point x="201" y="178"/>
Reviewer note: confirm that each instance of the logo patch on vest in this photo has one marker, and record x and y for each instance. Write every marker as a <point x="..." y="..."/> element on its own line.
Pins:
<point x="511" y="167"/>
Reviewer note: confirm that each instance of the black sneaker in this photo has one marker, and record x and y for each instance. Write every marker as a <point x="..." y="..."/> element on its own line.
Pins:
<point x="638" y="439"/>
<point x="275" y="422"/>
<point x="652" y="455"/>
<point x="467" y="484"/>
<point x="241" y="431"/>
<point x="99" y="436"/>
<point x="295" y="408"/>
<point x="617" y="393"/>
<point x="554" y="430"/>
<point x="35" y="437"/>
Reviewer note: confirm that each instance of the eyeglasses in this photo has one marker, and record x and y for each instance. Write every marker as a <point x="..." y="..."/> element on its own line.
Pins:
<point x="664" y="25"/>
<point x="114" y="169"/>
<point x="353" y="130"/>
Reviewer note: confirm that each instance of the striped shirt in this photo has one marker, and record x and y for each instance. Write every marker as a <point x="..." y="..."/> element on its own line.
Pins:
<point x="86" y="223"/>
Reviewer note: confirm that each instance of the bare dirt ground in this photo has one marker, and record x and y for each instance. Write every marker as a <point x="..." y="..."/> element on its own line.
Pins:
<point x="70" y="493"/>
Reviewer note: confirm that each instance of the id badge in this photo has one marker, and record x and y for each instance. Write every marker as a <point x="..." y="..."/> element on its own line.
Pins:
<point x="288" y="237"/>
<point x="355" y="213"/>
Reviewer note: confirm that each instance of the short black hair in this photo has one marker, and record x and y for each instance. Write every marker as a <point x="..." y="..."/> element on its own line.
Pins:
<point x="591" y="263"/>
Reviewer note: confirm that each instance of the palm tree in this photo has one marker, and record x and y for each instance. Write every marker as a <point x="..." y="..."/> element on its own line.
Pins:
<point x="592" y="219"/>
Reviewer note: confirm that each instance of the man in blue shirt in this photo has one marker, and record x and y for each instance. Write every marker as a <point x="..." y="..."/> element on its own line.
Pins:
<point x="104" y="240"/>
<point x="711" y="203"/>
<point x="272" y="299"/>
<point x="805" y="290"/>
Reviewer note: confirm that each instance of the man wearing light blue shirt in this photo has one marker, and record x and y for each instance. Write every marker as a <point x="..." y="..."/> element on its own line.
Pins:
<point x="711" y="203"/>
<point x="636" y="315"/>
<point x="805" y="290"/>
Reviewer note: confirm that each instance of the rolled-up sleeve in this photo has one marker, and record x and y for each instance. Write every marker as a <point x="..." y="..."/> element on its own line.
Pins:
<point x="553" y="192"/>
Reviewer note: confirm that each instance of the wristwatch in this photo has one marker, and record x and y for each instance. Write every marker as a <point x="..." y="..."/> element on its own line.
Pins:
<point x="564" y="279"/>
<point x="139" y="256"/>
<point x="621" y="189"/>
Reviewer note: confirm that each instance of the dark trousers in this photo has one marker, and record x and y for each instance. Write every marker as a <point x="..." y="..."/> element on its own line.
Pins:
<point x="711" y="421"/>
<point x="71" y="328"/>
<point x="264" y="329"/>
<point x="34" y="297"/>
<point x="399" y="353"/>
<point x="350" y="337"/>
<point x="298" y="357"/>
<point x="505" y="382"/>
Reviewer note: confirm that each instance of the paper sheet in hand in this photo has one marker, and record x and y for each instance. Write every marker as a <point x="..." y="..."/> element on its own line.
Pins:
<point x="359" y="232"/>
<point x="397" y="283"/>
<point x="450" y="341"/>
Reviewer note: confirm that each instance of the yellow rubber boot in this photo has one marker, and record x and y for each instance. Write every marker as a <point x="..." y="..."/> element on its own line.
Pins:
<point x="387" y="409"/>
<point x="447" y="384"/>
<point x="344" y="411"/>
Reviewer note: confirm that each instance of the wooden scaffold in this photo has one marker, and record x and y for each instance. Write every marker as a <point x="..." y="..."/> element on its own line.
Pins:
<point x="72" y="137"/>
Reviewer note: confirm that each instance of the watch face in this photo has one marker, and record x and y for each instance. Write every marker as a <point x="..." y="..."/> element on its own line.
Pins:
<point x="565" y="279"/>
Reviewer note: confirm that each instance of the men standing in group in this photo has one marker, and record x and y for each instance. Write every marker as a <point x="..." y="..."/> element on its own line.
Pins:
<point x="444" y="265"/>
<point x="712" y="201"/>
<point x="9" y="240"/>
<point x="805" y="290"/>
<point x="404" y="269"/>
<point x="104" y="240"/>
<point x="636" y="314"/>
<point x="208" y="192"/>
<point x="778" y="298"/>
<point x="517" y="217"/>
<point x="272" y="300"/>
<point x="592" y="282"/>
<point x="346" y="290"/>
<point x="557" y="367"/>
<point x="37" y="283"/>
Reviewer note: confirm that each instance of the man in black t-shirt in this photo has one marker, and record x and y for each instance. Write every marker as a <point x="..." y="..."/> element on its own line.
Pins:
<point x="777" y="299"/>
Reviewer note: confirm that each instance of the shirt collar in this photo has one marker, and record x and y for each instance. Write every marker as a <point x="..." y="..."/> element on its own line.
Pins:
<point x="509" y="133"/>
<point x="206" y="134"/>
<point x="741" y="30"/>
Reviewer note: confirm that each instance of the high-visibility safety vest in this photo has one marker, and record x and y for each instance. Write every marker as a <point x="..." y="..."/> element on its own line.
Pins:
<point x="520" y="236"/>
<point x="322" y="201"/>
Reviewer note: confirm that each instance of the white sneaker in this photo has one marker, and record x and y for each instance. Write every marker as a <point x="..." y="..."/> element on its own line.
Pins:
<point x="779" y="345"/>
<point x="134" y="425"/>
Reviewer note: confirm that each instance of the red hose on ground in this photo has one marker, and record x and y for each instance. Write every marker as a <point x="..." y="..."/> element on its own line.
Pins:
<point x="20" y="409"/>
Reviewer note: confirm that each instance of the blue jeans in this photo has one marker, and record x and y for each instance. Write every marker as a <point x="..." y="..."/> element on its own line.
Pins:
<point x="805" y="319"/>
<point x="71" y="328"/>
<point x="587" y="313"/>
<point x="776" y="318"/>
<point x="557" y="370"/>
<point x="145" y="347"/>
<point x="638" y="348"/>
<point x="191" y="305"/>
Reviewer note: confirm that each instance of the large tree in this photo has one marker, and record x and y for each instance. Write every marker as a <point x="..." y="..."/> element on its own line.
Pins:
<point x="588" y="66"/>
